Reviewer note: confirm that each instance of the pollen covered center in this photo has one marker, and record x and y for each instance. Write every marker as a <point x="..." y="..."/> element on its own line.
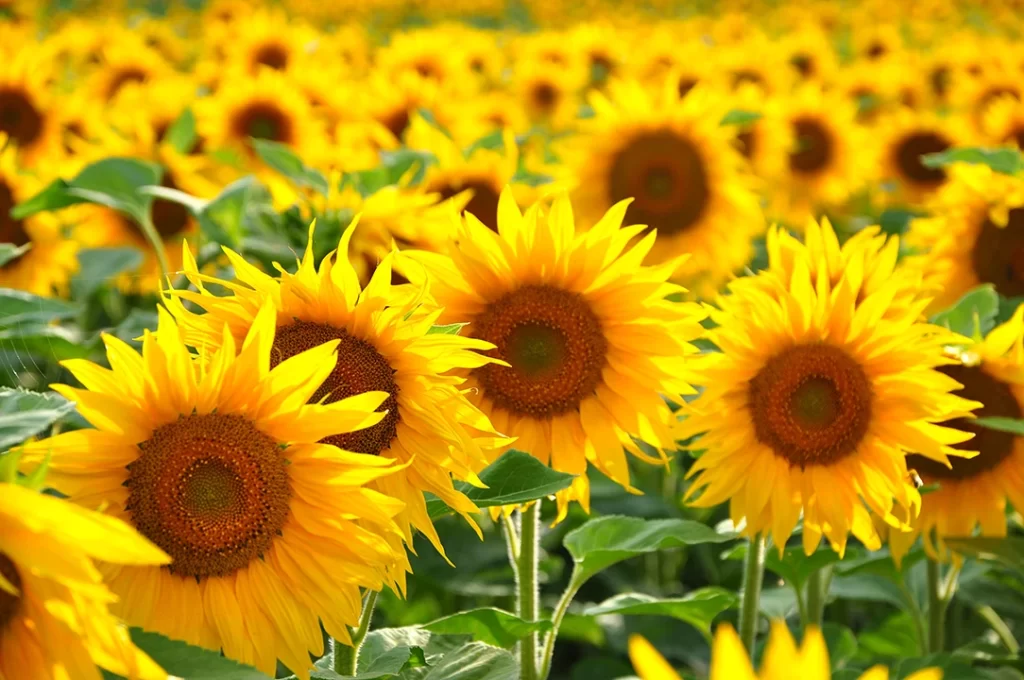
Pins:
<point x="8" y="603"/>
<point x="19" y="118"/>
<point x="992" y="446"/>
<point x="811" y="404"/>
<point x="554" y="345"/>
<point x="666" y="175"/>
<point x="360" y="368"/>
<point x="212" y="491"/>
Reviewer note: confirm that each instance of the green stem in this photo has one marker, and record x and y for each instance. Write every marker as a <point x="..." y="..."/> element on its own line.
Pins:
<point x="346" y="659"/>
<point x="817" y="595"/>
<point x="561" y="608"/>
<point x="527" y="593"/>
<point x="936" y="609"/>
<point x="153" y="236"/>
<point x="1001" y="629"/>
<point x="753" y="574"/>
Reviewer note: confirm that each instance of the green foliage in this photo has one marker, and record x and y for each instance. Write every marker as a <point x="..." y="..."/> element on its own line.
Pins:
<point x="10" y="252"/>
<point x="973" y="315"/>
<point x="188" y="661"/>
<point x="740" y="117"/>
<point x="284" y="160"/>
<point x="99" y="266"/>
<point x="1004" y="160"/>
<point x="699" y="608"/>
<point x="487" y="624"/>
<point x="24" y="414"/>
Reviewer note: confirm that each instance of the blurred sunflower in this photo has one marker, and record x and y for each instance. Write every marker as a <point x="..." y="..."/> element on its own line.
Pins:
<point x="50" y="259"/>
<point x="1004" y="122"/>
<point x="812" y="403"/>
<point x="426" y="54"/>
<point x="146" y="113"/>
<point x="266" y="39"/>
<point x="782" y="659"/>
<point x="601" y="49"/>
<point x="875" y="41"/>
<point x="26" y="109"/>
<point x="590" y="343"/>
<point x="682" y="168"/>
<point x="904" y="138"/>
<point x="766" y="140"/>
<point x="759" y="63"/>
<point x="125" y="62"/>
<point x="217" y="461"/>
<point x="975" y="94"/>
<point x="974" y="491"/>
<point x="394" y="102"/>
<point x="974" y="235"/>
<point x="549" y="96"/>
<point x="54" y="621"/>
<point x="810" y="54"/>
<point x="860" y="85"/>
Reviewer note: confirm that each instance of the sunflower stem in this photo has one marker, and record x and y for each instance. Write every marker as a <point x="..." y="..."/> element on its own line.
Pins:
<point x="527" y="593"/>
<point x="153" y="236"/>
<point x="817" y="595"/>
<point x="753" y="574"/>
<point x="346" y="659"/>
<point x="936" y="608"/>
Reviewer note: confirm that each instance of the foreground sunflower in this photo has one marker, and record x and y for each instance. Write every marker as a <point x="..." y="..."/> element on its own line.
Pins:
<point x="816" y="395"/>
<point x="587" y="340"/>
<point x="217" y="461"/>
<point x="384" y="344"/>
<point x="974" y="491"/>
<point x="54" y="621"/>
<point x="782" y="660"/>
<point x="682" y="170"/>
<point x="974" y="235"/>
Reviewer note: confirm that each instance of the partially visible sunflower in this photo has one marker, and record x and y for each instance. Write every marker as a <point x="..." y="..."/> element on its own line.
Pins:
<point x="974" y="234"/>
<point x="766" y="140"/>
<point x="973" y="493"/>
<point x="588" y="341"/>
<point x="1004" y="122"/>
<point x="54" y="617"/>
<point x="26" y="109"/>
<point x="813" y="401"/>
<point x="266" y="39"/>
<point x="602" y="49"/>
<point x="681" y="167"/>
<point x="217" y="460"/>
<point x="760" y="63"/>
<point x="549" y="96"/>
<point x="125" y="62"/>
<point x="975" y="94"/>
<point x="427" y="54"/>
<point x="810" y="53"/>
<point x="875" y="41"/>
<point x="782" y="659"/>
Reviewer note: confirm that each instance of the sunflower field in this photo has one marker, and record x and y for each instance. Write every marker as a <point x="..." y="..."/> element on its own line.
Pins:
<point x="511" y="339"/>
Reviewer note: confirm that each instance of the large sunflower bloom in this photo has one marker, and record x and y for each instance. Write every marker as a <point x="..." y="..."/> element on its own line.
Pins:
<point x="818" y="392"/>
<point x="218" y="461"/>
<point x="782" y="659"/>
<point x="54" y="621"/>
<point x="588" y="339"/>
<point x="973" y="492"/>
<point x="385" y="344"/>
<point x="681" y="167"/>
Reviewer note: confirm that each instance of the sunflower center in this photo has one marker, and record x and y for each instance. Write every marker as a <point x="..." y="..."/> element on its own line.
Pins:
<point x="876" y="50"/>
<point x="939" y="80"/>
<point x="545" y="97"/>
<point x="1016" y="136"/>
<point x="212" y="491"/>
<point x="747" y="141"/>
<point x="803" y="64"/>
<point x="811" y="404"/>
<point x="8" y="603"/>
<point x="271" y="55"/>
<point x="992" y="446"/>
<point x="483" y="205"/>
<point x="397" y="122"/>
<point x="685" y="85"/>
<point x="813" y="151"/>
<point x="263" y="120"/>
<point x="11" y="230"/>
<point x="908" y="153"/>
<point x="124" y="76"/>
<point x="666" y="176"/>
<point x="998" y="254"/>
<point x="746" y="76"/>
<point x="601" y="68"/>
<point x="360" y="368"/>
<point x="554" y="346"/>
<point x="19" y="118"/>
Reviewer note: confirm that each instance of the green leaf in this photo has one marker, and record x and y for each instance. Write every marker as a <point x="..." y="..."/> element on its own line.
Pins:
<point x="1004" y="160"/>
<point x="43" y="340"/>
<point x="10" y="252"/>
<point x="974" y="314"/>
<point x="18" y="307"/>
<point x="1011" y="425"/>
<point x="24" y="414"/>
<point x="487" y="624"/>
<point x="514" y="478"/>
<point x="794" y="566"/>
<point x="113" y="182"/>
<point x="402" y="161"/>
<point x="474" y="661"/>
<point x="284" y="160"/>
<point x="602" y="542"/>
<point x="194" y="204"/>
<point x="739" y="117"/>
<point x="367" y="182"/>
<point x="222" y="219"/>
<point x="193" y="663"/>
<point x="100" y="265"/>
<point x="447" y="329"/>
<point x="182" y="133"/>
<point x="53" y="196"/>
<point x="1008" y="550"/>
<point x="841" y="642"/>
<point x="698" y="608"/>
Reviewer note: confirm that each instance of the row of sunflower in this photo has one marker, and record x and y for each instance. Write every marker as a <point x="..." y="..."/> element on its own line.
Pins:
<point x="272" y="440"/>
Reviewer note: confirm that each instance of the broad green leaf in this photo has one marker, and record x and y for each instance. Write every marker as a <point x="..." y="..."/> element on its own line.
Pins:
<point x="867" y="587"/>
<point x="474" y="661"/>
<point x="403" y="161"/>
<point x="18" y="307"/>
<point x="284" y="160"/>
<point x="739" y="117"/>
<point x="487" y="624"/>
<point x="514" y="478"/>
<point x="183" y="660"/>
<point x="53" y="196"/>
<point x="841" y="642"/>
<point x="602" y="542"/>
<point x="894" y="638"/>
<point x="367" y="182"/>
<point x="778" y="603"/>
<point x="431" y="647"/>
<point x="24" y="414"/>
<point x="181" y="135"/>
<point x="1011" y="425"/>
<point x="119" y="180"/>
<point x="43" y="340"/>
<point x="698" y="608"/>
<point x="194" y="204"/>
<point x="1008" y="550"/>
<point x="10" y="252"/>
<point x="973" y="315"/>
<point x="222" y="220"/>
<point x="447" y="329"/>
<point x="135" y="325"/>
<point x="100" y="265"/>
<point x="1004" y="160"/>
<point x="494" y="140"/>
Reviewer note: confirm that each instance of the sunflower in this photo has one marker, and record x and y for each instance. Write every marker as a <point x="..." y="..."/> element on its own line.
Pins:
<point x="827" y="162"/>
<point x="813" y="400"/>
<point x="975" y="94"/>
<point x="660" y="52"/>
<point x="217" y="461"/>
<point x="394" y="102"/>
<point x="974" y="234"/>
<point x="26" y="115"/>
<point x="125" y="62"/>
<point x="50" y="259"/>
<point x="809" y="52"/>
<point x="876" y="41"/>
<point x="486" y="114"/>
<point x="782" y="659"/>
<point x="1004" y="122"/>
<point x="905" y="137"/>
<point x="549" y="96"/>
<point x="54" y="621"/>
<point x="588" y="340"/>
<point x="426" y="54"/>
<point x="147" y="112"/>
<point x="974" y="491"/>
<point x="760" y="63"/>
<point x="266" y="39"/>
<point x="682" y="168"/>
<point x="430" y="428"/>
<point x="602" y="50"/>
<point x="766" y="140"/>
